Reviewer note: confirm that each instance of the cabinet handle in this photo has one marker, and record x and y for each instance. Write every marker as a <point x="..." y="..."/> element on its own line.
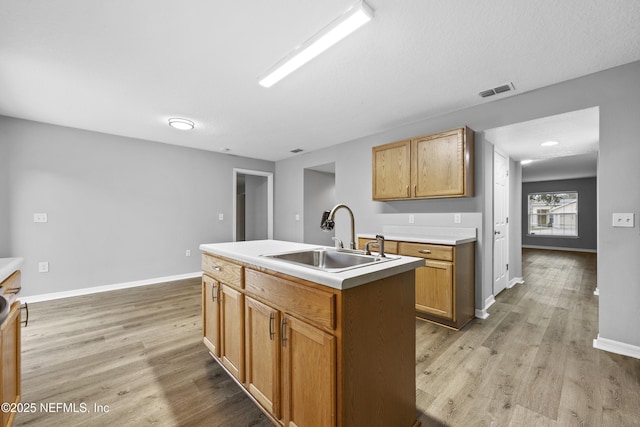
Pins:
<point x="283" y="329"/>
<point x="25" y="322"/>
<point x="408" y="194"/>
<point x="214" y="292"/>
<point x="216" y="268"/>
<point x="424" y="251"/>
<point x="415" y="190"/>
<point x="272" y="333"/>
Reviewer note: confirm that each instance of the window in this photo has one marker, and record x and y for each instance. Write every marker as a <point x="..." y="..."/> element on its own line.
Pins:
<point x="553" y="214"/>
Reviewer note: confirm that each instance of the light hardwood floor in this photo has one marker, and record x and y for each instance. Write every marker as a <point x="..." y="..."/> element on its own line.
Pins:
<point x="139" y="351"/>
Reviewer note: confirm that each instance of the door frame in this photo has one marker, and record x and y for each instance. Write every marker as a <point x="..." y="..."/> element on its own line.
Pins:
<point x="269" y="175"/>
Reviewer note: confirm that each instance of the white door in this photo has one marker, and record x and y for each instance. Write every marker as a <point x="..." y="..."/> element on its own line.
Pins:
<point x="500" y="221"/>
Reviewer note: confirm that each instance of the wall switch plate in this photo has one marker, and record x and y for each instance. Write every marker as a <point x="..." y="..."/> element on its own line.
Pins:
<point x="39" y="217"/>
<point x="220" y="217"/>
<point x="187" y="252"/>
<point x="412" y="219"/>
<point x="43" y="267"/>
<point x="297" y="217"/>
<point x="623" y="220"/>
<point x="457" y="218"/>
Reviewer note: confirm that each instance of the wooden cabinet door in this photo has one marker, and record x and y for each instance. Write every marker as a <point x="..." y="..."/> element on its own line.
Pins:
<point x="434" y="289"/>
<point x="232" y="331"/>
<point x="309" y="364"/>
<point x="262" y="354"/>
<point x="211" y="314"/>
<point x="438" y="165"/>
<point x="10" y="374"/>
<point x="392" y="171"/>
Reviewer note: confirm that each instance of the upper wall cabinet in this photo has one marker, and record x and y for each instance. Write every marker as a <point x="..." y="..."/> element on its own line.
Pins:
<point x="430" y="166"/>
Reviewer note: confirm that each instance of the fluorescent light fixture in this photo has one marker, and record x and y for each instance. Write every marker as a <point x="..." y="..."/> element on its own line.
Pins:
<point x="525" y="162"/>
<point x="549" y="143"/>
<point x="182" y="124"/>
<point x="354" y="18"/>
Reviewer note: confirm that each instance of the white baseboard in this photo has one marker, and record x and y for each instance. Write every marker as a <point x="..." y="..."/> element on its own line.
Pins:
<point x="515" y="281"/>
<point x="617" y="347"/>
<point x="558" y="248"/>
<point x="106" y="288"/>
<point x="483" y="314"/>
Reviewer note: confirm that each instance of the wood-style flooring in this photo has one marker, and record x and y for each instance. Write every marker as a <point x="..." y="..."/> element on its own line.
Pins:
<point x="139" y="352"/>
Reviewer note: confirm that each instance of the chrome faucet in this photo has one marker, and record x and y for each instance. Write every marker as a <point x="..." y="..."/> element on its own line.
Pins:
<point x="379" y="241"/>
<point x="328" y="223"/>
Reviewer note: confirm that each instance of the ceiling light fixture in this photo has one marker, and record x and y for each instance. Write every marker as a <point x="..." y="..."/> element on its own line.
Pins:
<point x="549" y="143"/>
<point x="354" y="18"/>
<point x="525" y="162"/>
<point x="182" y="124"/>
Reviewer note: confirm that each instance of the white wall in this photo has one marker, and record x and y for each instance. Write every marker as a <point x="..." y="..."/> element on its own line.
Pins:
<point x="120" y="209"/>
<point x="615" y="91"/>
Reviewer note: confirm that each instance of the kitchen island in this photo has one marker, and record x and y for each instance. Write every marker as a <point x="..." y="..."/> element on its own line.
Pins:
<point x="10" y="285"/>
<point x="311" y="347"/>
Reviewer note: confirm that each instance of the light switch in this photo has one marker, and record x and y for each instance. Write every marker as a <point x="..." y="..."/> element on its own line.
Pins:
<point x="39" y="217"/>
<point x="623" y="220"/>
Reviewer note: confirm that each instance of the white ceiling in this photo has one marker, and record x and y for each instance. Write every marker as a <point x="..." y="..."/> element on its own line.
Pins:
<point x="125" y="67"/>
<point x="575" y="155"/>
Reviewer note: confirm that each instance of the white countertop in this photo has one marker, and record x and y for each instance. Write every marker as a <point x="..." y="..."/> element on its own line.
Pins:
<point x="8" y="266"/>
<point x="250" y="253"/>
<point x="434" y="235"/>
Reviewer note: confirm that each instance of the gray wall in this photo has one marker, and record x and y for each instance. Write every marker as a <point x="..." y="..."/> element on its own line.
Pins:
<point x="615" y="91"/>
<point x="255" y="188"/>
<point x="120" y="209"/>
<point x="587" y="212"/>
<point x="5" y="244"/>
<point x="319" y="196"/>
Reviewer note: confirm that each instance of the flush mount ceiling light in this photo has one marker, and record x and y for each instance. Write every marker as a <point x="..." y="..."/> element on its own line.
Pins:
<point x="525" y="162"/>
<point x="354" y="18"/>
<point x="182" y="124"/>
<point x="549" y="143"/>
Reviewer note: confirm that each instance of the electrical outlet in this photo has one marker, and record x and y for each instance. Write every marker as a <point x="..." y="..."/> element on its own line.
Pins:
<point x="220" y="217"/>
<point x="43" y="267"/>
<point x="457" y="218"/>
<point x="623" y="220"/>
<point x="412" y="219"/>
<point x="39" y="217"/>
<point x="297" y="217"/>
<point x="187" y="252"/>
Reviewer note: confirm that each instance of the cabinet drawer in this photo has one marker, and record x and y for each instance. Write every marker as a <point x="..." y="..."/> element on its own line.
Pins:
<point x="223" y="271"/>
<point x="312" y="304"/>
<point x="424" y="250"/>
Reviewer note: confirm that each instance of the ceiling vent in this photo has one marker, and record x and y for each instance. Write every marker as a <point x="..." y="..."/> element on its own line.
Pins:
<point x="496" y="90"/>
<point x="297" y="150"/>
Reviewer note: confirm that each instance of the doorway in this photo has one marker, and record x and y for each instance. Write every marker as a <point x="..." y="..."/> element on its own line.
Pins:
<point x="319" y="196"/>
<point x="252" y="205"/>
<point x="500" y="218"/>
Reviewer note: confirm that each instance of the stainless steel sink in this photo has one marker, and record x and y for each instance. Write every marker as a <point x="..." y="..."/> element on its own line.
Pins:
<point x="329" y="260"/>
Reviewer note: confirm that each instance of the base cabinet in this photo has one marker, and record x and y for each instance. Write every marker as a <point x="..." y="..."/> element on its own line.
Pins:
<point x="305" y="352"/>
<point x="434" y="289"/>
<point x="309" y="363"/>
<point x="263" y="354"/>
<point x="10" y="355"/>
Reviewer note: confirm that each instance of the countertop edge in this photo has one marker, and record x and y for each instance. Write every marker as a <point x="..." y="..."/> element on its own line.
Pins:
<point x="341" y="281"/>
<point x="8" y="266"/>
